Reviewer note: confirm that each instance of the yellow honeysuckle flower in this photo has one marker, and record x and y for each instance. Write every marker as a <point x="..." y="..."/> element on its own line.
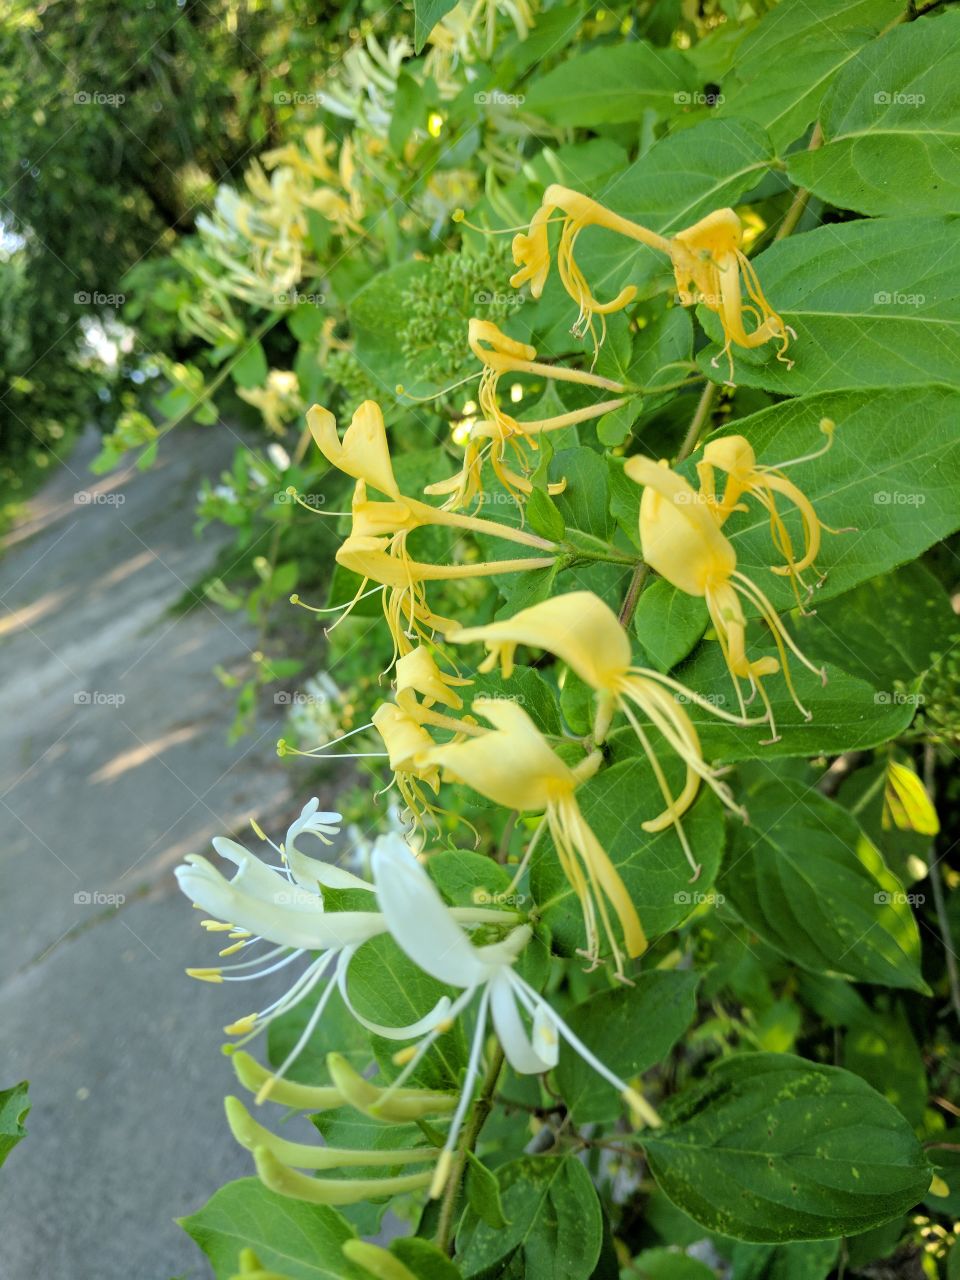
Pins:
<point x="906" y="803"/>
<point x="363" y="452"/>
<point x="501" y="354"/>
<point x="402" y="726"/>
<point x="376" y="548"/>
<point x="585" y="634"/>
<point x="683" y="542"/>
<point x="708" y="262"/>
<point x="418" y="673"/>
<point x="314" y="162"/>
<point x="278" y="400"/>
<point x="734" y="456"/>
<point x="707" y="258"/>
<point x="406" y="740"/>
<point x="513" y="765"/>
<point x="405" y="607"/>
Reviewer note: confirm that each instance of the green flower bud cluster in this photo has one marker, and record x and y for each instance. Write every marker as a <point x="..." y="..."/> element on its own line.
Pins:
<point x="443" y="298"/>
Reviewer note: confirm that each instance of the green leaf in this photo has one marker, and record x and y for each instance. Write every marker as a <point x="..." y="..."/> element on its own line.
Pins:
<point x="612" y="85"/>
<point x="898" y="490"/>
<point x="584" y="504"/>
<point x="772" y="1148"/>
<point x="812" y="1261"/>
<point x="468" y="879"/>
<point x="424" y="1259"/>
<point x="846" y="714"/>
<point x="303" y="1241"/>
<point x="555" y="1228"/>
<point x="544" y="516"/>
<point x="337" y="1031"/>
<point x="526" y="687"/>
<point x="805" y="878"/>
<point x="14" y="1106"/>
<point x="483" y="1194"/>
<point x="883" y="1050"/>
<point x="873" y="304"/>
<point x="250" y="369"/>
<point x="680" y="179"/>
<point x="785" y="65"/>
<point x="886" y="630"/>
<point x="427" y="13"/>
<point x="668" y="623"/>
<point x="666" y="1264"/>
<point x="387" y="987"/>
<point x="890" y="126"/>
<point x="630" y="1029"/>
<point x="654" y="869"/>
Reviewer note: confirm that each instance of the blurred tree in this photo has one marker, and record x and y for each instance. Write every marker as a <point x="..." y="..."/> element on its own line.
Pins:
<point x="120" y="117"/>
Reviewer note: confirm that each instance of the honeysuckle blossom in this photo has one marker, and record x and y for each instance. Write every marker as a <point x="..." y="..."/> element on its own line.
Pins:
<point x="734" y="457"/>
<point x="376" y="548"/>
<point x="278" y="1159"/>
<point x="682" y="541"/>
<point x="405" y="607"/>
<point x="283" y="908"/>
<point x="514" y="765"/>
<point x="408" y="743"/>
<point x="498" y="432"/>
<point x="423" y="927"/>
<point x="278" y="400"/>
<point x="585" y="634"/>
<point x="707" y="259"/>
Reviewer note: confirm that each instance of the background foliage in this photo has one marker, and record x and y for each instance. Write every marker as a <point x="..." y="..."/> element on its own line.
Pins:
<point x="796" y="1016"/>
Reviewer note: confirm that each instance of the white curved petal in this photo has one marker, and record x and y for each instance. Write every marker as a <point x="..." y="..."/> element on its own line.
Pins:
<point x="419" y="920"/>
<point x="292" y="919"/>
<point x="311" y="871"/>
<point x="253" y="876"/>
<point x="442" y="1011"/>
<point x="511" y="1033"/>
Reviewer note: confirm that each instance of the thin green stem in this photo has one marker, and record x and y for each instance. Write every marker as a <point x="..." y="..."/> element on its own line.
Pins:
<point x="478" y="1117"/>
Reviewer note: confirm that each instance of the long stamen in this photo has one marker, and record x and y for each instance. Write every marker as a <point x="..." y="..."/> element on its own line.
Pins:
<point x="442" y="1171"/>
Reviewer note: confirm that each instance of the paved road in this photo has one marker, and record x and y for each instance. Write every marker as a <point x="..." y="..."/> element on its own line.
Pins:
<point x="113" y="765"/>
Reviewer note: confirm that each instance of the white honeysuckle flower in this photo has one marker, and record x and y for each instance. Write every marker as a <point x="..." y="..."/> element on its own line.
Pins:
<point x="428" y="932"/>
<point x="284" y="907"/>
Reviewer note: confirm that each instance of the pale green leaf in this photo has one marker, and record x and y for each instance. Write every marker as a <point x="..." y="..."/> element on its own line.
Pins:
<point x="891" y="126"/>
